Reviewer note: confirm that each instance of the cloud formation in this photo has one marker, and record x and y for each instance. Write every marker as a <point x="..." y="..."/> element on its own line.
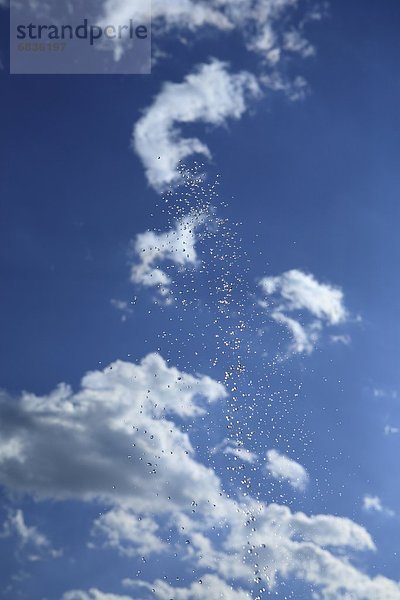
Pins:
<point x="303" y="305"/>
<point x="374" y="504"/>
<point x="209" y="586"/>
<point x="28" y="538"/>
<point x="82" y="445"/>
<point x="236" y="449"/>
<point x="268" y="28"/>
<point x="209" y="95"/>
<point x="92" y="594"/>
<point x="283" y="468"/>
<point x="176" y="246"/>
<point x="123" y="411"/>
<point x="128" y="533"/>
<point x="15" y="525"/>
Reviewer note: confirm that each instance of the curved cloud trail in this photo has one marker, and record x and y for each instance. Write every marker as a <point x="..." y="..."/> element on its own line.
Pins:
<point x="211" y="95"/>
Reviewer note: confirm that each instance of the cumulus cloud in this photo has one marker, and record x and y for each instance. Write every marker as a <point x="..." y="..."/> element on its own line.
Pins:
<point x="83" y="445"/>
<point x="209" y="586"/>
<point x="283" y="468"/>
<point x="176" y="246"/>
<point x="128" y="533"/>
<point x="118" y="413"/>
<point x="322" y="530"/>
<point x="298" y="291"/>
<point x="289" y="545"/>
<point x="209" y="95"/>
<point x="296" y="296"/>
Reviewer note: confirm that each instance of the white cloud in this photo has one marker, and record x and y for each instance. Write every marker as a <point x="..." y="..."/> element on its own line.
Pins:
<point x="295" y="42"/>
<point x="287" y="545"/>
<point x="121" y="412"/>
<point x="283" y="468"/>
<point x="323" y="530"/>
<point x="84" y="445"/>
<point x="176" y="246"/>
<point x="128" y="533"/>
<point x="295" y="89"/>
<point x="92" y="594"/>
<point x="297" y="292"/>
<point x="374" y="504"/>
<point x="28" y="538"/>
<point x="11" y="449"/>
<point x="209" y="95"/>
<point x="266" y="26"/>
<point x="305" y="337"/>
<point x="15" y="525"/>
<point x="241" y="453"/>
<point x="341" y="339"/>
<point x="182" y="14"/>
<point x="207" y="587"/>
<point x="235" y="448"/>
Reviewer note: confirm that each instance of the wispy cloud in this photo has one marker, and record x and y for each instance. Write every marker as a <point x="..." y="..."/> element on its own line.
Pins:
<point x="236" y="449"/>
<point x="385" y="393"/>
<point x="374" y="504"/>
<point x="28" y="537"/>
<point x="270" y="29"/>
<point x="341" y="339"/>
<point x="123" y="307"/>
<point x="15" y="525"/>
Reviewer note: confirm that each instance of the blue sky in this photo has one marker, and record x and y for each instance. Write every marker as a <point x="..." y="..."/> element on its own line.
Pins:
<point x="280" y="318"/>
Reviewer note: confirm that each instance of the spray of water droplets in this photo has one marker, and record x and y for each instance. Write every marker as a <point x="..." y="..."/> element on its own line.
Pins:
<point x="201" y="281"/>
